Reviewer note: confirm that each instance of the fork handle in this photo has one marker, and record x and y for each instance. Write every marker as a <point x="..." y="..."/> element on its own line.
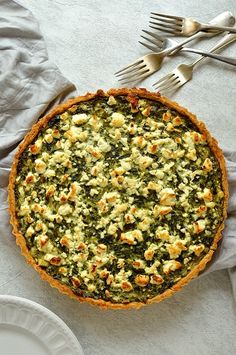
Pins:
<point x="178" y="46"/>
<point x="225" y="41"/>
<point x="206" y="27"/>
<point x="221" y="58"/>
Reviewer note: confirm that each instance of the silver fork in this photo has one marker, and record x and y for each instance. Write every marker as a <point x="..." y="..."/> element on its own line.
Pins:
<point x="183" y="26"/>
<point x="183" y="73"/>
<point x="226" y="18"/>
<point x="150" y="63"/>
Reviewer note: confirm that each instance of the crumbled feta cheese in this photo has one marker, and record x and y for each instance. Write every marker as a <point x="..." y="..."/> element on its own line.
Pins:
<point x="65" y="210"/>
<point x="80" y="118"/>
<point x="167" y="197"/>
<point x="117" y="119"/>
<point x="171" y="265"/>
<point x="40" y="166"/>
<point x="111" y="101"/>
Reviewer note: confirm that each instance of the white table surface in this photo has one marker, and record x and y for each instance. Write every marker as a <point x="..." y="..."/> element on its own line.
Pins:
<point x="89" y="40"/>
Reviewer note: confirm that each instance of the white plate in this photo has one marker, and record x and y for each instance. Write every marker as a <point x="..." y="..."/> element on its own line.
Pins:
<point x="27" y="328"/>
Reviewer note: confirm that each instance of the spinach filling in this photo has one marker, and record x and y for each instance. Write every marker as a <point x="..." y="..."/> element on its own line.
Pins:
<point x="114" y="239"/>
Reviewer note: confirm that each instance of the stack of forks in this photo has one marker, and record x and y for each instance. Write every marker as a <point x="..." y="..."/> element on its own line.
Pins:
<point x="163" y="47"/>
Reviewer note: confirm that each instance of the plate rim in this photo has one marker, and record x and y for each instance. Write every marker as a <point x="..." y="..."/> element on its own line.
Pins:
<point x="45" y="312"/>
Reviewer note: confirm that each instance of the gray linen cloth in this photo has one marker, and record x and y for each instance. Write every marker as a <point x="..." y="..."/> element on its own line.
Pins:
<point x="30" y="85"/>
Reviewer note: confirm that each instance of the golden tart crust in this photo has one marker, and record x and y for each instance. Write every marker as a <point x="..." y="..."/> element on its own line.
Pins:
<point x="42" y="123"/>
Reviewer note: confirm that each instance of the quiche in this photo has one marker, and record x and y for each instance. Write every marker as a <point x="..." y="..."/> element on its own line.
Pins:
<point x="118" y="198"/>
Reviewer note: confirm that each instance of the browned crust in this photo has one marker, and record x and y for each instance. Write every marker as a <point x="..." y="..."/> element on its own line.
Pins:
<point x="143" y="93"/>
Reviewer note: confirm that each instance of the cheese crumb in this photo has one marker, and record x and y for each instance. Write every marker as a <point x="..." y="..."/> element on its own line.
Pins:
<point x="117" y="119"/>
<point x="65" y="210"/>
<point x="111" y="101"/>
<point x="79" y="118"/>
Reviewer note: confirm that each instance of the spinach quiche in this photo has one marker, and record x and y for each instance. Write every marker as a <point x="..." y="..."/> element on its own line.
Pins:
<point x="118" y="198"/>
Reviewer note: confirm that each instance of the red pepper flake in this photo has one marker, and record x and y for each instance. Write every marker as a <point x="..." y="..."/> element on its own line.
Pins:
<point x="75" y="281"/>
<point x="134" y="102"/>
<point x="94" y="267"/>
<point x="56" y="260"/>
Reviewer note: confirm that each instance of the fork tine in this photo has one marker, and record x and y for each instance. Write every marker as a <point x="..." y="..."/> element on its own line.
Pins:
<point x="166" y="25"/>
<point x="162" y="79"/>
<point x="168" y="16"/>
<point x="166" y="21"/>
<point x="150" y="40"/>
<point x="169" y="84"/>
<point x="172" y="88"/>
<point x="154" y="35"/>
<point x="132" y="70"/>
<point x="152" y="48"/>
<point x="165" y="83"/>
<point x="178" y="85"/>
<point x="129" y="68"/>
<point x="159" y="44"/>
<point x="137" y="62"/>
<point x="132" y="77"/>
<point x="164" y="30"/>
<point x="137" y="78"/>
